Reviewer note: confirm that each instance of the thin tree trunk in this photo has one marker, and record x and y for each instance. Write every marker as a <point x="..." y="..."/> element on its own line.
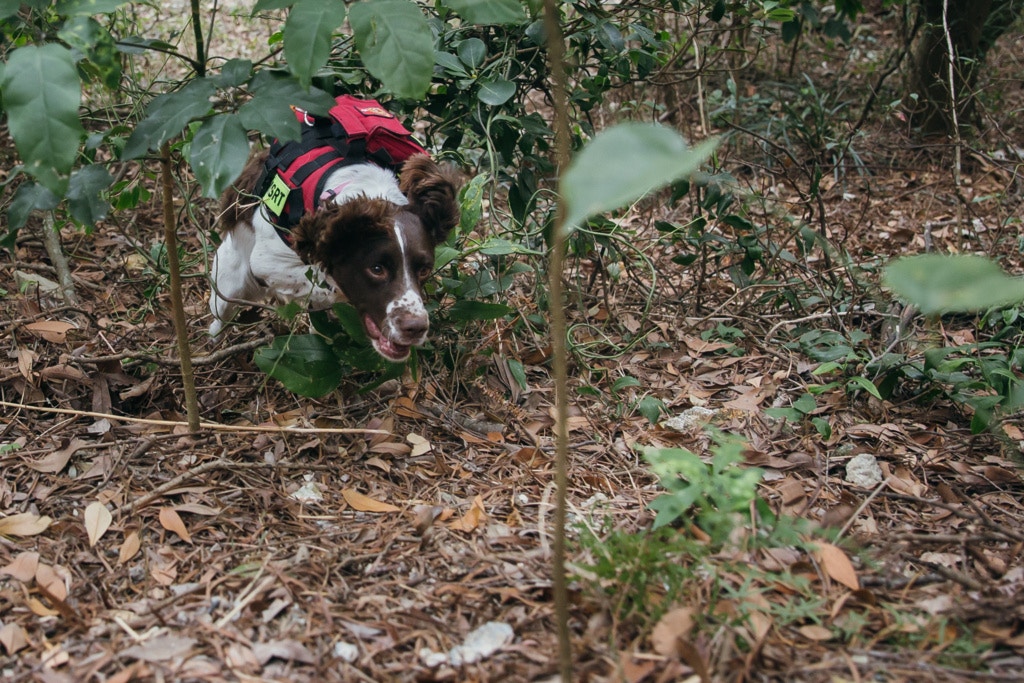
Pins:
<point x="974" y="27"/>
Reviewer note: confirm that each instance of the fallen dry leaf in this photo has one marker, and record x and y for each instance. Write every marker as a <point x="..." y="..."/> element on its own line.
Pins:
<point x="12" y="637"/>
<point x="24" y="524"/>
<point x="23" y="567"/>
<point x="160" y="648"/>
<point x="676" y="624"/>
<point x="287" y="649"/>
<point x="97" y="521"/>
<point x="473" y="517"/>
<point x="39" y="609"/>
<point x="51" y="581"/>
<point x="57" y="460"/>
<point x="358" y="501"/>
<point x="55" y="331"/>
<point x="171" y="520"/>
<point x="837" y="565"/>
<point x="131" y="545"/>
<point x="420" y="446"/>
<point x="815" y="632"/>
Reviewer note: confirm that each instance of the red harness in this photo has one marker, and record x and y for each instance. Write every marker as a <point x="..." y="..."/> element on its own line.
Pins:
<point x="356" y="131"/>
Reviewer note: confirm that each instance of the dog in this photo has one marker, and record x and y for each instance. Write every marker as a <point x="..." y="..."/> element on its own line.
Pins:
<point x="371" y="243"/>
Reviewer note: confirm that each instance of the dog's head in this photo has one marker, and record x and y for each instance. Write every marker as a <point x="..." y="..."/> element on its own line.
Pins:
<point x="380" y="254"/>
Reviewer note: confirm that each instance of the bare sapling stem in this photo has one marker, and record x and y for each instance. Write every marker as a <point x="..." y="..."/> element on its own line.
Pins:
<point x="560" y="588"/>
<point x="177" y="303"/>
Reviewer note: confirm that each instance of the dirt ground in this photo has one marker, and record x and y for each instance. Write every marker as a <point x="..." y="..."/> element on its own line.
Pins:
<point x="366" y="536"/>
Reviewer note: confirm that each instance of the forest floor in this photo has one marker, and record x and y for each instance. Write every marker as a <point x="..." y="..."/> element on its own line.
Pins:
<point x="366" y="536"/>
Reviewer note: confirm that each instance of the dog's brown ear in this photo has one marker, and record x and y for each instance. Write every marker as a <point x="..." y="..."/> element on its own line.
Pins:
<point x="433" y="193"/>
<point x="334" y="230"/>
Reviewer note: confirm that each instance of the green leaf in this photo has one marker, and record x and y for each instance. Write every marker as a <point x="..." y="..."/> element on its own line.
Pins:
<point x="85" y="194"/>
<point x="268" y="5"/>
<point x="488" y="11"/>
<point x="622" y="164"/>
<point x="218" y="154"/>
<point x="265" y="115"/>
<point x="938" y="283"/>
<point x="88" y="7"/>
<point x="624" y="382"/>
<point x="518" y="373"/>
<point x="472" y="52"/>
<point x="307" y="35"/>
<point x="234" y="73"/>
<point x="450" y="63"/>
<point x="865" y="384"/>
<point x="270" y="109"/>
<point x="396" y="44"/>
<point x="498" y="246"/>
<point x="44" y="120"/>
<point x="496" y="92"/>
<point x="168" y="114"/>
<point x="472" y="203"/>
<point x="304" y="364"/>
<point x="444" y="255"/>
<point x="27" y="198"/>
<point x="467" y="309"/>
<point x="651" y="408"/>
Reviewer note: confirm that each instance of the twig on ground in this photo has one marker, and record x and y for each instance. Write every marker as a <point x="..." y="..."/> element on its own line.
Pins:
<point x="215" y="426"/>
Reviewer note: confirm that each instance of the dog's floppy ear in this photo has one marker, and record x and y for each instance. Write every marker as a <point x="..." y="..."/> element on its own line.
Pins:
<point x="432" y="191"/>
<point x="334" y="230"/>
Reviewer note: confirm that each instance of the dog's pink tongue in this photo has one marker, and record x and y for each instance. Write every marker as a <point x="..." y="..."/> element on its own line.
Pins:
<point x="371" y="328"/>
<point x="385" y="346"/>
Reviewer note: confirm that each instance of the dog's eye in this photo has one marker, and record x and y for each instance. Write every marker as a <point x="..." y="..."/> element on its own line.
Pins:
<point x="378" y="270"/>
<point x="424" y="272"/>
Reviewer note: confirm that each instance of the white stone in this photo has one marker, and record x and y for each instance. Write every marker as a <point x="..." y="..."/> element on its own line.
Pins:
<point x="863" y="470"/>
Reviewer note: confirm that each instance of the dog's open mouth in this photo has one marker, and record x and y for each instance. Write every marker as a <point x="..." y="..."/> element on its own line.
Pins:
<point x="390" y="349"/>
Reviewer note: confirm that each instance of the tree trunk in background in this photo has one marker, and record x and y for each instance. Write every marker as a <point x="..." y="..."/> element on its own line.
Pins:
<point x="974" y="27"/>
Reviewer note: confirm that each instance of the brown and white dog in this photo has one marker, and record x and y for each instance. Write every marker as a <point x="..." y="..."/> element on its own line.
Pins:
<point x="372" y="245"/>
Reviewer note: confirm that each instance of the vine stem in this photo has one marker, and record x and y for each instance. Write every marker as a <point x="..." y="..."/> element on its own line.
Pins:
<point x="560" y="587"/>
<point x="177" y="303"/>
<point x="953" y="104"/>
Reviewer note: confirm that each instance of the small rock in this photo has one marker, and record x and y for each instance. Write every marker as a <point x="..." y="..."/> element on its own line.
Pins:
<point x="346" y="651"/>
<point x="863" y="470"/>
<point x="481" y="643"/>
<point x="690" y="418"/>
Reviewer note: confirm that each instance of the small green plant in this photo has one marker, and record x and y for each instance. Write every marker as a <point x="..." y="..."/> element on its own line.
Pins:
<point x="314" y="364"/>
<point x="716" y="495"/>
<point x="708" y="519"/>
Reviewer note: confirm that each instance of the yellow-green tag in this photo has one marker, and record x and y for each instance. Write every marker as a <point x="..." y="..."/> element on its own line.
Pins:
<point x="276" y="195"/>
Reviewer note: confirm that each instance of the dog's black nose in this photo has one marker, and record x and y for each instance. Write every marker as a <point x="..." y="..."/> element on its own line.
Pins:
<point x="413" y="327"/>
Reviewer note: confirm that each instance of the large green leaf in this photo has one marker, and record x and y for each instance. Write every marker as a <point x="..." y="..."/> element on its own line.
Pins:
<point x="268" y="5"/>
<point x="27" y="198"/>
<point x="622" y="164"/>
<point x="269" y="111"/>
<point x="304" y="364"/>
<point x="488" y="11"/>
<point x="307" y="35"/>
<point x="41" y="95"/>
<point x="88" y="8"/>
<point x="168" y="114"/>
<point x="219" y="151"/>
<point x="85" y="194"/>
<point x="496" y="92"/>
<point x="396" y="44"/>
<point x="938" y="283"/>
<point x="466" y="309"/>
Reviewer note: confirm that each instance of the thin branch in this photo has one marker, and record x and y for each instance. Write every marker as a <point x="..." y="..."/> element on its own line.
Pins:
<point x="216" y="426"/>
